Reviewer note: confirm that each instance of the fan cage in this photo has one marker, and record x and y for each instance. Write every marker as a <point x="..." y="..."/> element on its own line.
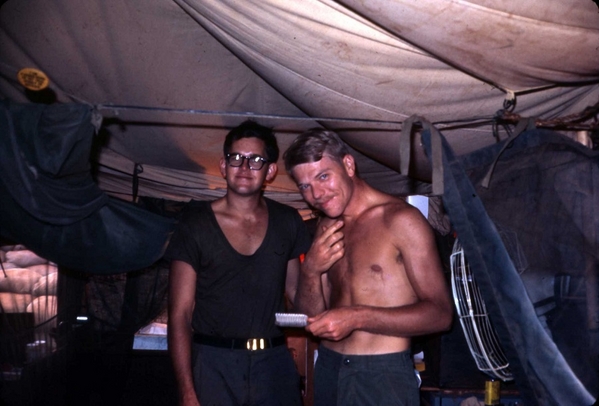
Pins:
<point x="480" y="335"/>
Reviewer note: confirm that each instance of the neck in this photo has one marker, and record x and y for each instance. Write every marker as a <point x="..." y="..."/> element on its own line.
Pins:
<point x="243" y="204"/>
<point x="361" y="199"/>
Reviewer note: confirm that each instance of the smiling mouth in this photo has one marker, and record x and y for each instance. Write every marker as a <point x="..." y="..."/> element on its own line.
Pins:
<point x="323" y="203"/>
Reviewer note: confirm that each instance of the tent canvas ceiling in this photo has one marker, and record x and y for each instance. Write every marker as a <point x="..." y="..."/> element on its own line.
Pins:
<point x="197" y="68"/>
<point x="170" y="78"/>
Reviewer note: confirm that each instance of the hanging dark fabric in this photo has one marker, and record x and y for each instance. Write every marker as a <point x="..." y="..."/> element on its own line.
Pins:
<point x="50" y="203"/>
<point x="540" y="369"/>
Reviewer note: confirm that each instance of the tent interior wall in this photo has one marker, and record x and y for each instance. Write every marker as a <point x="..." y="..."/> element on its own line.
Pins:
<point x="113" y="116"/>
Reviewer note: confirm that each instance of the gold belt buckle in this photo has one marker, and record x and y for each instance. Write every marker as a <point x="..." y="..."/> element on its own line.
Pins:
<point x="254" y="344"/>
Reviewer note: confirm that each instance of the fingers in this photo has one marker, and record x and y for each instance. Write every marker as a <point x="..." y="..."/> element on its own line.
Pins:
<point x="313" y="326"/>
<point x="326" y="326"/>
<point x="316" y="317"/>
<point x="327" y="231"/>
<point x="327" y="248"/>
<point x="331" y="237"/>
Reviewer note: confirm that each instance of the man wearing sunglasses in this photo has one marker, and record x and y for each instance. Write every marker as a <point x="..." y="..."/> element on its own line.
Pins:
<point x="233" y="260"/>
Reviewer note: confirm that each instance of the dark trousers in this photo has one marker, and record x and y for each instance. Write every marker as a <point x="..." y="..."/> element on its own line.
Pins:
<point x="361" y="380"/>
<point x="225" y="377"/>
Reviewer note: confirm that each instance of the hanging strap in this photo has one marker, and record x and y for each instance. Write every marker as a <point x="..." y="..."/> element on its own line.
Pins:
<point x="405" y="150"/>
<point x="524" y="124"/>
<point x="137" y="169"/>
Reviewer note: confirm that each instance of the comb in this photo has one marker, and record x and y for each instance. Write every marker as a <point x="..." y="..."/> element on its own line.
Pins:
<point x="291" y="319"/>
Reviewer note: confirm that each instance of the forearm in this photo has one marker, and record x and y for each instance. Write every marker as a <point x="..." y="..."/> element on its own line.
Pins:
<point x="182" y="281"/>
<point x="179" y="345"/>
<point x="404" y="321"/>
<point x="312" y="291"/>
<point x="309" y="297"/>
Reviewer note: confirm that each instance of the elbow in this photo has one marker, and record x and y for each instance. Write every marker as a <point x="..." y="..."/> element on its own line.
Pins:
<point x="445" y="319"/>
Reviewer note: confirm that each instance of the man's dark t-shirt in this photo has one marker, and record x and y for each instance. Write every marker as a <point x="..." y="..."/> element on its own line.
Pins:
<point x="238" y="295"/>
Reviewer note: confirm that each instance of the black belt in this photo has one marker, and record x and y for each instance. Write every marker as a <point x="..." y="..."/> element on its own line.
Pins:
<point x="251" y="344"/>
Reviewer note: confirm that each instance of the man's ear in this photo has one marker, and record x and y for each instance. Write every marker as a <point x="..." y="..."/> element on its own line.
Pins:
<point x="271" y="173"/>
<point x="222" y="164"/>
<point x="349" y="164"/>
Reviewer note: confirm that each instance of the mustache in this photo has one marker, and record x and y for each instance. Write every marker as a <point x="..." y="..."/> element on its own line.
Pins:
<point x="322" y="200"/>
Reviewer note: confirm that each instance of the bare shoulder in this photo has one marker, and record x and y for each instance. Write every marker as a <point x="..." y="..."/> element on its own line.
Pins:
<point x="403" y="219"/>
<point x="395" y="210"/>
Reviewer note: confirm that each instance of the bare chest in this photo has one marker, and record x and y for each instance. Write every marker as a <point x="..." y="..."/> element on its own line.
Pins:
<point x="372" y="270"/>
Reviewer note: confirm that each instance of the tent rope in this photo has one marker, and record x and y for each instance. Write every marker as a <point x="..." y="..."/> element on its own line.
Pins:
<point x="569" y="122"/>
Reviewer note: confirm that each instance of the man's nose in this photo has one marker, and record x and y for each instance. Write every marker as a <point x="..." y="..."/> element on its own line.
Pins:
<point x="245" y="164"/>
<point x="317" y="192"/>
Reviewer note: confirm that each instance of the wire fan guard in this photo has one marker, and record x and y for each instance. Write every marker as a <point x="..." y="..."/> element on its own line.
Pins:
<point x="480" y="335"/>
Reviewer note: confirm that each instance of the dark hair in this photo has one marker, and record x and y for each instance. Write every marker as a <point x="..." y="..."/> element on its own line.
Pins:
<point x="312" y="145"/>
<point x="251" y="129"/>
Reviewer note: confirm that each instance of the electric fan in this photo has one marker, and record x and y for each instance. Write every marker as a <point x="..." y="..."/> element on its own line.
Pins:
<point x="480" y="335"/>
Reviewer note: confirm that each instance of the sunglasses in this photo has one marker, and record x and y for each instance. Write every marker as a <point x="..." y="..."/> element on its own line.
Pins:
<point x="255" y="162"/>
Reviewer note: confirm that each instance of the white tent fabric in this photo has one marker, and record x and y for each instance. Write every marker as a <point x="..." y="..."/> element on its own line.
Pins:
<point x="171" y="77"/>
<point x="514" y="45"/>
<point x="200" y="67"/>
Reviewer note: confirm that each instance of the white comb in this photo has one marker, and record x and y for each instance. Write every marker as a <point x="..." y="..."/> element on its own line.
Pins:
<point x="291" y="319"/>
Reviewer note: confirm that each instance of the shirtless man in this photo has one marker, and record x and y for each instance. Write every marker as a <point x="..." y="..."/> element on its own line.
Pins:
<point x="371" y="280"/>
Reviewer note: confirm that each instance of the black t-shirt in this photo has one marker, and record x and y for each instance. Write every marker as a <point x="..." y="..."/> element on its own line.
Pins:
<point x="238" y="295"/>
